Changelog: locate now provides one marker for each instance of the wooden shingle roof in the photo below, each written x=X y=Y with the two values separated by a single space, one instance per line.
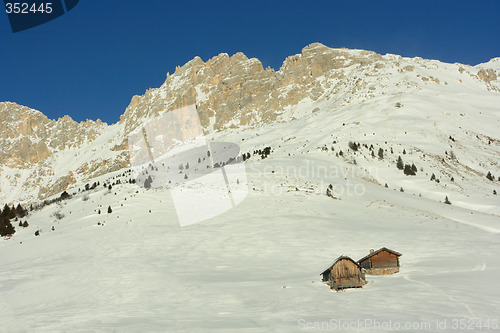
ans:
x=379 y=250
x=337 y=260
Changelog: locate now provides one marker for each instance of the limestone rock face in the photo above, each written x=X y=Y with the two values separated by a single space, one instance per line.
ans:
x=30 y=143
x=58 y=186
x=487 y=75
x=40 y=157
x=234 y=91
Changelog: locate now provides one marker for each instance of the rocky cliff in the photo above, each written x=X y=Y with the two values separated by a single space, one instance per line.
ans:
x=40 y=157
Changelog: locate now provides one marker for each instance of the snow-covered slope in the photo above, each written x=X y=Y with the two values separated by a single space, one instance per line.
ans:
x=253 y=269
x=256 y=267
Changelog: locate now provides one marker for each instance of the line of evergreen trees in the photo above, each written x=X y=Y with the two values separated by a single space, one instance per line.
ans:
x=7 y=214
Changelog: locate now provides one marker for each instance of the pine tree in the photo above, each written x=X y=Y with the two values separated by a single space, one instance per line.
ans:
x=148 y=182
x=400 y=164
x=20 y=211
x=65 y=195
x=109 y=210
x=408 y=170
x=6 y=228
x=12 y=212
x=433 y=177
x=380 y=153
x=446 y=201
x=490 y=176
x=5 y=211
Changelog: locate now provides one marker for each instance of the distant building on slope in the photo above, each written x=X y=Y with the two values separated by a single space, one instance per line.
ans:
x=344 y=273
x=381 y=262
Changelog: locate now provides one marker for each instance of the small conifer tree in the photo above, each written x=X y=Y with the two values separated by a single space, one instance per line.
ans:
x=408 y=170
x=400 y=164
x=490 y=176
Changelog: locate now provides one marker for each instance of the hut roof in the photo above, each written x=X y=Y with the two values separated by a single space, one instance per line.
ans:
x=337 y=260
x=379 y=250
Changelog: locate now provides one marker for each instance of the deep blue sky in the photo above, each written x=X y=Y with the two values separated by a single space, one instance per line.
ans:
x=91 y=61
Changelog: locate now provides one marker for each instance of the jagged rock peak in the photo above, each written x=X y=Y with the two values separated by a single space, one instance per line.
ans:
x=230 y=92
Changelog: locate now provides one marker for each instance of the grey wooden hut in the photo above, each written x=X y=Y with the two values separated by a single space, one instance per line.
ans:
x=344 y=273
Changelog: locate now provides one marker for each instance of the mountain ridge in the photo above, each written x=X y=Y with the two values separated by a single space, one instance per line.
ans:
x=231 y=92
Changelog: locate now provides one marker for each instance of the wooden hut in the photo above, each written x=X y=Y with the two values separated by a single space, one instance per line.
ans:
x=344 y=273
x=381 y=262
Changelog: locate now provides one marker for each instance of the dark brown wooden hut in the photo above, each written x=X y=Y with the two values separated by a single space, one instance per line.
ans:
x=344 y=273
x=381 y=262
